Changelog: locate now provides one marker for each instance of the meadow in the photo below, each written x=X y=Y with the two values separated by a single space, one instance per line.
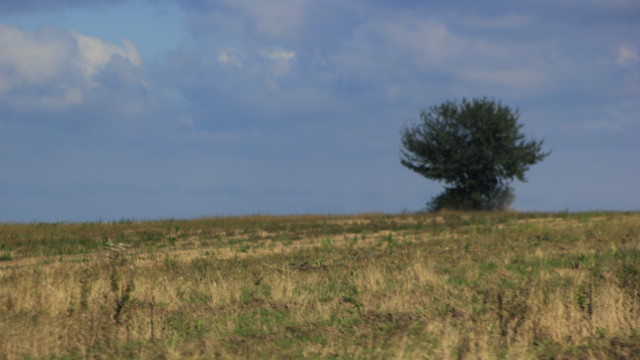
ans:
x=450 y=285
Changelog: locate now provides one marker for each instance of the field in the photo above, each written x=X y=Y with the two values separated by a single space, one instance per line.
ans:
x=411 y=286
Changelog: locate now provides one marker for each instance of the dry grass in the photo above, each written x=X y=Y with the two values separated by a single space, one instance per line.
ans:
x=413 y=286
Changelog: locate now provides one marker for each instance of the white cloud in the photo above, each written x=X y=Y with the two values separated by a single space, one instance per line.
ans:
x=281 y=60
x=54 y=69
x=29 y=58
x=405 y=57
x=230 y=57
x=93 y=53
x=279 y=55
x=416 y=51
x=627 y=55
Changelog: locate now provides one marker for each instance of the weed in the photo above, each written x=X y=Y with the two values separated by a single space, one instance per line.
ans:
x=6 y=256
x=584 y=299
x=629 y=279
x=356 y=304
x=327 y=244
x=445 y=285
x=123 y=299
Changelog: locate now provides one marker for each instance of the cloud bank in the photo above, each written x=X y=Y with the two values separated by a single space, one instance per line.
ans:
x=292 y=106
x=56 y=71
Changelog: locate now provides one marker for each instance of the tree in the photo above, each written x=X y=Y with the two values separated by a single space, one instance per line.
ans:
x=475 y=147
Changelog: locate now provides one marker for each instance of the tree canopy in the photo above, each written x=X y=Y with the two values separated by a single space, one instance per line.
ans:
x=475 y=147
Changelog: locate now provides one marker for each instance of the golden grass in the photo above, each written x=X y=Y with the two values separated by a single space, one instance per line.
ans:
x=443 y=286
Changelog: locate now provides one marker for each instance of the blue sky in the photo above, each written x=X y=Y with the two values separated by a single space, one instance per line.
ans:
x=156 y=108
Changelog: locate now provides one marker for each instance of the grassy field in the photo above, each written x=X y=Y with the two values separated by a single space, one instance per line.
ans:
x=411 y=286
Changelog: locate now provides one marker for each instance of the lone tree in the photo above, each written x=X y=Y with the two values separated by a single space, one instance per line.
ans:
x=475 y=147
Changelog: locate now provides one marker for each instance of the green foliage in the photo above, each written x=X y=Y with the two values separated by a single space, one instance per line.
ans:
x=474 y=147
x=460 y=199
x=6 y=256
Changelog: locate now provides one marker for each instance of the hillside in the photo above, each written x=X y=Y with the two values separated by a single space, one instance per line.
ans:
x=372 y=286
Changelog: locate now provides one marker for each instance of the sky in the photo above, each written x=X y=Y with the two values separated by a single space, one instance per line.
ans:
x=148 y=109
